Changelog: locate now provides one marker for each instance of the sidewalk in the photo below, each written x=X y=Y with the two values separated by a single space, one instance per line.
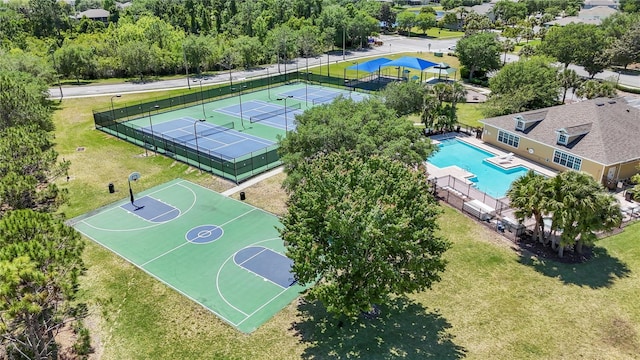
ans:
x=253 y=181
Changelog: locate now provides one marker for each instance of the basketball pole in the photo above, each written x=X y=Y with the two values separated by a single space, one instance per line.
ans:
x=131 y=193
x=133 y=176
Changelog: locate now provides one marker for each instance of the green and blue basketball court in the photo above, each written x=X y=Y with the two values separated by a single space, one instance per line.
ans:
x=221 y=253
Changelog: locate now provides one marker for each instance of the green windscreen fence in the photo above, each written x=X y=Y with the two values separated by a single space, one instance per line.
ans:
x=116 y=121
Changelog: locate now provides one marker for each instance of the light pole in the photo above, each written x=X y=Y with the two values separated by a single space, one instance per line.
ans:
x=53 y=57
x=357 y=70
x=186 y=66
x=328 y=62
x=202 y=99
x=151 y=127
x=286 y=122
x=344 y=31
x=240 y=100
x=195 y=133
x=113 y=117
x=268 y=84
x=306 y=87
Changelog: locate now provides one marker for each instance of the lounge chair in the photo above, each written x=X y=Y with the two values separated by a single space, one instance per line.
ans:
x=506 y=156
x=505 y=160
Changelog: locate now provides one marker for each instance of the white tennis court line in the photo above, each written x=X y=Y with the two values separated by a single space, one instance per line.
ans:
x=229 y=144
x=227 y=112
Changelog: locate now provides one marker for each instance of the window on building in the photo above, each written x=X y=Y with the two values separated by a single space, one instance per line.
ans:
x=567 y=160
x=563 y=139
x=520 y=125
x=509 y=139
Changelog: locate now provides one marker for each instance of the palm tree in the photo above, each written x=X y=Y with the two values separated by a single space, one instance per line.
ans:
x=592 y=89
x=581 y=207
x=569 y=79
x=507 y=46
x=529 y=196
x=444 y=115
x=607 y=215
x=429 y=113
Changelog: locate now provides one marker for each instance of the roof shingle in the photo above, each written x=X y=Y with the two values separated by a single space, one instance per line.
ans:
x=612 y=137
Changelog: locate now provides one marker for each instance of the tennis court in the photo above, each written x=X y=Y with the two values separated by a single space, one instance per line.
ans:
x=234 y=136
x=201 y=135
x=321 y=95
x=221 y=253
x=270 y=114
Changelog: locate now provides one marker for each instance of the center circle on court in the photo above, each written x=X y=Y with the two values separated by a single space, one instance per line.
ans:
x=204 y=234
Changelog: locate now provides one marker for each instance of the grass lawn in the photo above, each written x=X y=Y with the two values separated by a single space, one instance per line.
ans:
x=470 y=114
x=491 y=303
x=518 y=47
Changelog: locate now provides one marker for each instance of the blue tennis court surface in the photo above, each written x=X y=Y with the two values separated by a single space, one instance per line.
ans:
x=267 y=263
x=219 y=140
x=322 y=95
x=152 y=210
x=271 y=114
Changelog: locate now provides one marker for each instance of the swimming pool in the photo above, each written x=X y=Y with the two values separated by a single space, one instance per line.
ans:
x=489 y=178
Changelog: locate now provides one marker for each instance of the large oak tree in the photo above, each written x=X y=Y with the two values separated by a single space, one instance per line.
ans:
x=479 y=52
x=367 y=128
x=362 y=229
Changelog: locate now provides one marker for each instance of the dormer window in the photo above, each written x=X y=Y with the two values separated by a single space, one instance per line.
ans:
x=563 y=139
x=526 y=121
x=568 y=135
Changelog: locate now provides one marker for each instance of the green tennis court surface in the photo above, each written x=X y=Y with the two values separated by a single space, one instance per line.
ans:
x=221 y=253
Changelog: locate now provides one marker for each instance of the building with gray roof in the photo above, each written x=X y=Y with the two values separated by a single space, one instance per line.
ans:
x=599 y=137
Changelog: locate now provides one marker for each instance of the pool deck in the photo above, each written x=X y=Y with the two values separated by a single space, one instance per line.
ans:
x=630 y=209
x=502 y=159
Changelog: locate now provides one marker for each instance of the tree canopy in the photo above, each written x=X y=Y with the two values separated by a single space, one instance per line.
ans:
x=362 y=229
x=527 y=84
x=479 y=52
x=367 y=128
x=40 y=262
x=581 y=44
x=404 y=97
x=39 y=255
x=23 y=101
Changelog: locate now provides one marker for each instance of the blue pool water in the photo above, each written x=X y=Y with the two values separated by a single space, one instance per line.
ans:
x=489 y=178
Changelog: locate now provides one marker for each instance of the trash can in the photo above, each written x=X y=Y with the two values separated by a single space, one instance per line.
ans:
x=628 y=195
x=242 y=196
x=112 y=188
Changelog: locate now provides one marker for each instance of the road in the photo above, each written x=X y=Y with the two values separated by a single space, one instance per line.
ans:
x=391 y=44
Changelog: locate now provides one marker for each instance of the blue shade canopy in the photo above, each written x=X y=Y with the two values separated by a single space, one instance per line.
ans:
x=411 y=62
x=369 y=66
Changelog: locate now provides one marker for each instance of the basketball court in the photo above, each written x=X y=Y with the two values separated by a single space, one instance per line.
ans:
x=221 y=253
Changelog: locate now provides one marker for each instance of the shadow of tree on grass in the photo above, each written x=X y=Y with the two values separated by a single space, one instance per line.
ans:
x=404 y=330
x=601 y=270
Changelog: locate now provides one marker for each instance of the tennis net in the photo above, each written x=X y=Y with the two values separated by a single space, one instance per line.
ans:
x=274 y=113
x=325 y=99
x=211 y=129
